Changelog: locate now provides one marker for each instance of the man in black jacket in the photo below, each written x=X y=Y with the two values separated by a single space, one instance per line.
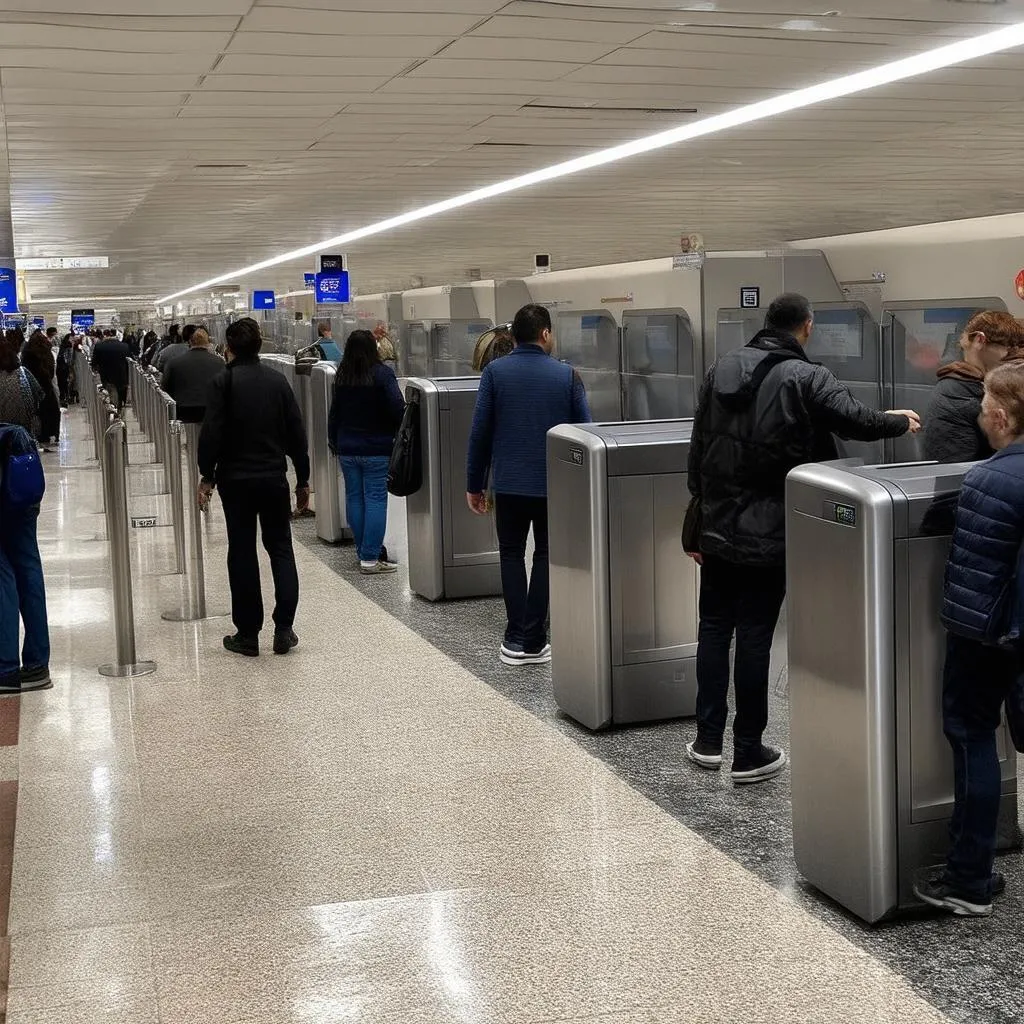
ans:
x=763 y=410
x=110 y=361
x=252 y=425
x=187 y=380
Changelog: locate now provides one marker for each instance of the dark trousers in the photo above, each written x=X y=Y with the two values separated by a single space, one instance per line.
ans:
x=975 y=682
x=269 y=503
x=526 y=604
x=744 y=601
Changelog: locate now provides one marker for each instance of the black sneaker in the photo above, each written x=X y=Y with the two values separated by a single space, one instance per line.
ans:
x=760 y=767
x=238 y=644
x=35 y=678
x=704 y=754
x=10 y=682
x=937 y=893
x=284 y=641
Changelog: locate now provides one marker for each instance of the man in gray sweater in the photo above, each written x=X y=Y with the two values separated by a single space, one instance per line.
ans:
x=187 y=378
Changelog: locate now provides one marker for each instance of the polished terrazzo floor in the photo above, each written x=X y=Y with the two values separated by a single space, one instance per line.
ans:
x=385 y=826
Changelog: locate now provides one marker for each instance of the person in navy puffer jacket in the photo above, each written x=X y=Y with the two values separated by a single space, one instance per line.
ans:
x=981 y=611
x=522 y=396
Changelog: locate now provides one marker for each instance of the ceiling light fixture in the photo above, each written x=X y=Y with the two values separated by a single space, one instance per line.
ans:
x=47 y=301
x=897 y=71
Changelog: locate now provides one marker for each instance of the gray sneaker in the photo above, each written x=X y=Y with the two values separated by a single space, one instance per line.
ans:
x=377 y=569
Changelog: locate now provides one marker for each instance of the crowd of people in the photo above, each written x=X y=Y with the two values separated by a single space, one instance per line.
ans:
x=763 y=410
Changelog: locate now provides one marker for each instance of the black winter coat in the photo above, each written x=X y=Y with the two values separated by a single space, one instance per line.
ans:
x=952 y=433
x=253 y=425
x=982 y=599
x=764 y=410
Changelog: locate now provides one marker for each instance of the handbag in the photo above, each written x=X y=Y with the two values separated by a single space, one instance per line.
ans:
x=405 y=470
x=693 y=526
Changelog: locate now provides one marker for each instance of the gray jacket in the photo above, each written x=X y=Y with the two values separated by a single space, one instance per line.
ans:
x=187 y=380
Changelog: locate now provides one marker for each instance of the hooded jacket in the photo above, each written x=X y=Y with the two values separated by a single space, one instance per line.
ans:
x=763 y=410
x=952 y=433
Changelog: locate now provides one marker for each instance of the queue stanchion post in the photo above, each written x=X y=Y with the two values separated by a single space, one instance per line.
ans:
x=115 y=490
x=177 y=496
x=196 y=606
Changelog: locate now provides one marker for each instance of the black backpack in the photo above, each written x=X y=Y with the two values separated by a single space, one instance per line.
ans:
x=405 y=471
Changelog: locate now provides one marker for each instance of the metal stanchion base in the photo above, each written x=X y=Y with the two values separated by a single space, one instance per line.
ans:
x=141 y=668
x=187 y=615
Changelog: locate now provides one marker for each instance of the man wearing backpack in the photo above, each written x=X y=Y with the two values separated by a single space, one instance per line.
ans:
x=763 y=410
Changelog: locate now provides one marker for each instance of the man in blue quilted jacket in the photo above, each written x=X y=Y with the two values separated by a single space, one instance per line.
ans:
x=981 y=612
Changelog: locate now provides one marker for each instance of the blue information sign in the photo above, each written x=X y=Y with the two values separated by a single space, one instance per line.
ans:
x=332 y=287
x=82 y=319
x=39 y=322
x=309 y=281
x=8 y=290
x=263 y=300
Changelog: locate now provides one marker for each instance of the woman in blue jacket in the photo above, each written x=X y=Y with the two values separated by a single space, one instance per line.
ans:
x=366 y=413
x=981 y=611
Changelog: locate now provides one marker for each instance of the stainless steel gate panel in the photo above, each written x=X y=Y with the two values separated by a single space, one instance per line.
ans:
x=452 y=552
x=331 y=521
x=623 y=594
x=872 y=772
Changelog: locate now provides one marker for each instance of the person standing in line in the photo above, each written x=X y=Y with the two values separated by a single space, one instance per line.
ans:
x=252 y=426
x=110 y=361
x=983 y=612
x=22 y=589
x=763 y=410
x=65 y=368
x=365 y=415
x=326 y=346
x=953 y=432
x=521 y=397
x=176 y=348
x=187 y=380
x=38 y=360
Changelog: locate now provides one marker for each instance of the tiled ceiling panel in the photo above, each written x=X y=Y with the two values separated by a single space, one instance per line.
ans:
x=185 y=140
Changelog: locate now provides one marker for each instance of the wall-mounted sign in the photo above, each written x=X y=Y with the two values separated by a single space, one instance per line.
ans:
x=8 y=291
x=332 y=287
x=143 y=522
x=64 y=263
x=309 y=281
x=38 y=321
x=263 y=300
x=83 y=319
x=336 y=262
x=750 y=298
x=688 y=261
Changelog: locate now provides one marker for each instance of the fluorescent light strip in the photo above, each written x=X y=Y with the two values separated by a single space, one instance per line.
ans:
x=90 y=298
x=909 y=67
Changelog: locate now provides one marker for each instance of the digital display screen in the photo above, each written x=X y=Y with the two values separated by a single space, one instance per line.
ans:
x=845 y=515
x=838 y=336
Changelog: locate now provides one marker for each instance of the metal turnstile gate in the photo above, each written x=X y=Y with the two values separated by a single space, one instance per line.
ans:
x=872 y=772
x=623 y=593
x=452 y=552
x=331 y=521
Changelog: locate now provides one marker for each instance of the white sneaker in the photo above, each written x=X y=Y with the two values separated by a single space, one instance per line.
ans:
x=377 y=568
x=515 y=655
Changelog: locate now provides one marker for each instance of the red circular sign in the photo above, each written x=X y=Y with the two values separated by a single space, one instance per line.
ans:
x=1020 y=285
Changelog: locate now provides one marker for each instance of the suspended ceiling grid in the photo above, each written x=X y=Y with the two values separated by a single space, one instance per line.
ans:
x=184 y=145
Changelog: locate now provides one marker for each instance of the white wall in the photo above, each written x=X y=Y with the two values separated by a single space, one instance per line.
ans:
x=652 y=284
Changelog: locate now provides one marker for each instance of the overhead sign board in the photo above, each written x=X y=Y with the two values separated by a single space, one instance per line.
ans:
x=263 y=300
x=38 y=321
x=64 y=263
x=309 y=281
x=336 y=262
x=332 y=287
x=8 y=291
x=83 y=319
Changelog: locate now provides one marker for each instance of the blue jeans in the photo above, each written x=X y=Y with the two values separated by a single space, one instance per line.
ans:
x=975 y=682
x=22 y=592
x=366 y=501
